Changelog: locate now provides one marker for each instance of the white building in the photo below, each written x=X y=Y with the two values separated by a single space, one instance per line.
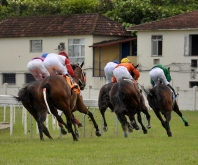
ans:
x=172 y=42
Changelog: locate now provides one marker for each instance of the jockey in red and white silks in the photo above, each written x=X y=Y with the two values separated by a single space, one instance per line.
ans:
x=55 y=63
x=37 y=69
x=108 y=70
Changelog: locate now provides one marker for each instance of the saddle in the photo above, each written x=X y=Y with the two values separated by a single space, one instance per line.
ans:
x=73 y=86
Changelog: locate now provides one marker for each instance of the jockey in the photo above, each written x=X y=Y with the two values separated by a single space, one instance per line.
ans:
x=108 y=70
x=59 y=64
x=160 y=74
x=36 y=67
x=124 y=70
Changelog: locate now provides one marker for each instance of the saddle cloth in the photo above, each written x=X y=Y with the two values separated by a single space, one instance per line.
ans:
x=71 y=84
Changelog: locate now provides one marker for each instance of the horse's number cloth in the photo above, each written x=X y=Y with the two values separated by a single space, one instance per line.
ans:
x=71 y=84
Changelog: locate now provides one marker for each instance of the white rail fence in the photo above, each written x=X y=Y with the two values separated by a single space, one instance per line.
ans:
x=7 y=101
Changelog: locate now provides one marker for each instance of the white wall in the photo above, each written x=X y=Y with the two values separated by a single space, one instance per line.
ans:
x=173 y=56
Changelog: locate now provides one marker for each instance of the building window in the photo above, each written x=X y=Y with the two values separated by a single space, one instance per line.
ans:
x=193 y=83
x=156 y=61
x=194 y=63
x=35 y=45
x=29 y=78
x=191 y=45
x=156 y=45
x=9 y=78
x=76 y=50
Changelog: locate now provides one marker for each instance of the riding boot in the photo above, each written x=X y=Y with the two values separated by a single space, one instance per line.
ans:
x=172 y=90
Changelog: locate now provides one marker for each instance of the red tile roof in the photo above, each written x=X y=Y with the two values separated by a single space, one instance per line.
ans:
x=181 y=21
x=59 y=25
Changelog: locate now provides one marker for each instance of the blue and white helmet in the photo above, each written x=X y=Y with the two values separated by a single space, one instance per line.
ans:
x=44 y=55
x=115 y=61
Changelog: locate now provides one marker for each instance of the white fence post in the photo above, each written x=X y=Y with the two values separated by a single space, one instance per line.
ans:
x=194 y=97
x=11 y=119
x=5 y=88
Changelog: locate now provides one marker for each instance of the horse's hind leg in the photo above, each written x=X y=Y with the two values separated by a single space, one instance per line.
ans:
x=94 y=123
x=140 y=121
x=176 y=109
x=168 y=118
x=123 y=121
x=42 y=128
x=148 y=117
x=45 y=131
x=63 y=131
x=133 y=121
x=102 y=111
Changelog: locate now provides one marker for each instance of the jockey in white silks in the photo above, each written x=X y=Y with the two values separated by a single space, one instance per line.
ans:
x=37 y=69
x=108 y=70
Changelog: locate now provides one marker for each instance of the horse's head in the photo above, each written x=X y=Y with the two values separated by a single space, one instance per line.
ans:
x=79 y=75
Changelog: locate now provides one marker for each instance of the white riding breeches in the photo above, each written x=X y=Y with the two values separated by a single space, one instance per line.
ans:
x=108 y=70
x=55 y=64
x=157 y=75
x=37 y=69
x=121 y=72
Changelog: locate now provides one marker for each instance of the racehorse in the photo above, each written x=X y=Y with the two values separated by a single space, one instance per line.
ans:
x=126 y=100
x=104 y=103
x=29 y=98
x=57 y=94
x=161 y=100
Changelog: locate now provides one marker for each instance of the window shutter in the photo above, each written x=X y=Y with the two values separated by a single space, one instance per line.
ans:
x=186 y=45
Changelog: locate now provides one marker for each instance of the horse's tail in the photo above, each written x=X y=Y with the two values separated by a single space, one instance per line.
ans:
x=118 y=100
x=24 y=94
x=154 y=96
x=46 y=91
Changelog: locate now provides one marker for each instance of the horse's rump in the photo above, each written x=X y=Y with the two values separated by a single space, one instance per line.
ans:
x=124 y=95
x=160 y=97
x=103 y=98
x=58 y=91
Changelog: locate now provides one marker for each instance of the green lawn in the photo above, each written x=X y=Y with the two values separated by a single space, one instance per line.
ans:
x=109 y=149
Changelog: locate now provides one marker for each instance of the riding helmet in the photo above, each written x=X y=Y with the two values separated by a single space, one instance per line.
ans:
x=115 y=61
x=125 y=60
x=44 y=55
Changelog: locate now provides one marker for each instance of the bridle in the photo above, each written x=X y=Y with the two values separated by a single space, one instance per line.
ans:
x=80 y=77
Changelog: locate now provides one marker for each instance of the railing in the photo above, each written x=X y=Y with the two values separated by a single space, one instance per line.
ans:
x=9 y=101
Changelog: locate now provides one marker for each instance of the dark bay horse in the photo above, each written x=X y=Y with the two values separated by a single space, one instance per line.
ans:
x=104 y=102
x=125 y=98
x=57 y=94
x=29 y=98
x=160 y=99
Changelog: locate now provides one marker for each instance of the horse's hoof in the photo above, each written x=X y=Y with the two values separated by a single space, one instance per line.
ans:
x=63 y=132
x=76 y=139
x=98 y=133
x=125 y=135
x=80 y=125
x=105 y=129
x=77 y=135
x=135 y=126
x=130 y=129
x=148 y=126
x=186 y=124
x=145 y=131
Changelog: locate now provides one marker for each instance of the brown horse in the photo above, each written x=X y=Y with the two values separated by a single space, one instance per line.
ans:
x=126 y=100
x=104 y=103
x=161 y=100
x=29 y=98
x=57 y=94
